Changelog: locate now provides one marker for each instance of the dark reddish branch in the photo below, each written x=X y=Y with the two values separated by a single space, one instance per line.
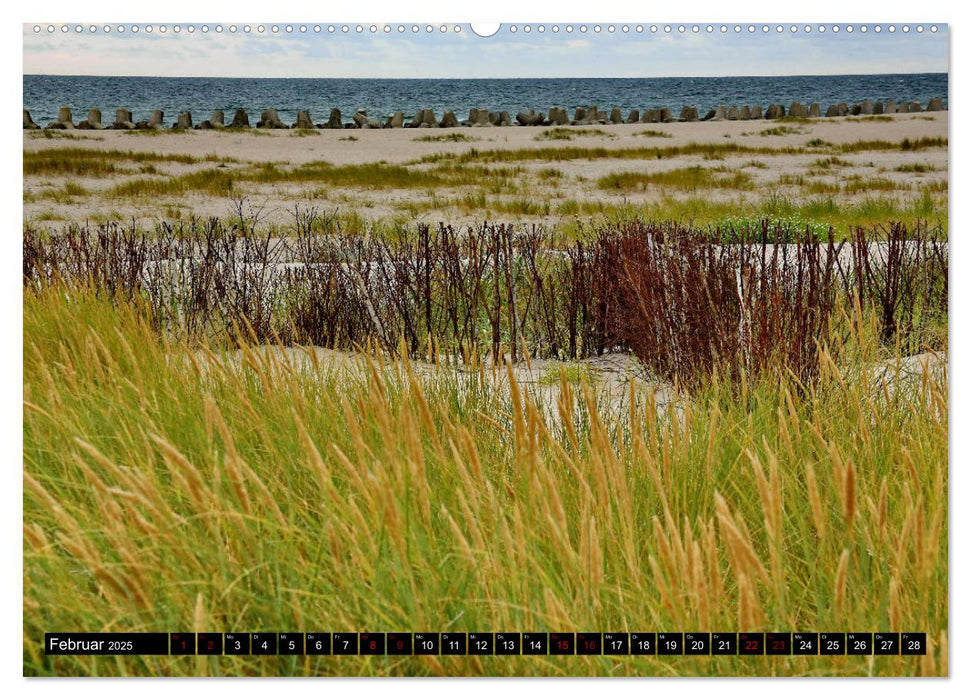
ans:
x=684 y=300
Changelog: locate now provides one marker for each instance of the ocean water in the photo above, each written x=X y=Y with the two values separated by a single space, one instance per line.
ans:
x=44 y=94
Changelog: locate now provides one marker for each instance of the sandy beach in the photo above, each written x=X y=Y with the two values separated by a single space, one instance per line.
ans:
x=515 y=174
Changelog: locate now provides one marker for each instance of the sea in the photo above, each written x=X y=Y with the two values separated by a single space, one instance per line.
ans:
x=44 y=94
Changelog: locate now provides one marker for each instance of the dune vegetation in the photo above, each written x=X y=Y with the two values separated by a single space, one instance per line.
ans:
x=778 y=462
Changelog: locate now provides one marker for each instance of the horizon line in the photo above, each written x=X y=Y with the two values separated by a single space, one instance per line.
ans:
x=566 y=77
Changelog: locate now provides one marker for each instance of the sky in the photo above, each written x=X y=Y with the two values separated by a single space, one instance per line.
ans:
x=462 y=54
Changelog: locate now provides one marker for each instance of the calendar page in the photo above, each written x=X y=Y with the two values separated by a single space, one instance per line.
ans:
x=514 y=349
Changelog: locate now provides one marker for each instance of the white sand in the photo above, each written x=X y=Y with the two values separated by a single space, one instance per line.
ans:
x=402 y=146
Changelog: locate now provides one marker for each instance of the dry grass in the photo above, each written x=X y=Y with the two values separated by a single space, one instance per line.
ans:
x=690 y=179
x=562 y=133
x=783 y=131
x=191 y=489
x=710 y=151
x=446 y=138
x=91 y=162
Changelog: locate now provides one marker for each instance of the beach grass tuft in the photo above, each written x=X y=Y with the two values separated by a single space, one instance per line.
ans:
x=563 y=133
x=251 y=488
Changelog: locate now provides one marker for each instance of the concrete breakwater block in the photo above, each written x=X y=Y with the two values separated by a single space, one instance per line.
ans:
x=449 y=120
x=93 y=121
x=269 y=119
x=240 y=120
x=63 y=121
x=688 y=114
x=363 y=121
x=559 y=116
x=482 y=117
x=216 y=121
x=304 y=121
x=479 y=116
x=530 y=118
x=123 y=120
x=585 y=116
x=333 y=121
x=154 y=121
x=799 y=110
x=423 y=119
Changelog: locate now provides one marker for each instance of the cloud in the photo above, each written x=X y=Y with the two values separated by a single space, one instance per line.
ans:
x=458 y=55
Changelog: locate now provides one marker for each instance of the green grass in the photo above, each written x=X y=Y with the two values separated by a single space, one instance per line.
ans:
x=709 y=151
x=167 y=488
x=163 y=131
x=831 y=162
x=782 y=131
x=51 y=134
x=446 y=138
x=852 y=185
x=550 y=174
x=920 y=144
x=99 y=163
x=563 y=133
x=48 y=216
x=857 y=184
x=687 y=179
x=366 y=175
x=65 y=194
x=653 y=133
x=212 y=181
x=818 y=212
x=872 y=118
x=916 y=168
x=223 y=182
x=577 y=373
x=713 y=151
x=521 y=206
